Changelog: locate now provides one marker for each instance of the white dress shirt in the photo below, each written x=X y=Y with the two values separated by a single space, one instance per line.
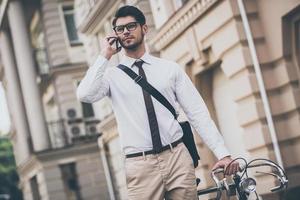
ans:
x=129 y=106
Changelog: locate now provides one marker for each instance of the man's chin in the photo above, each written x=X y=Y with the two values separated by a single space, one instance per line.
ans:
x=133 y=45
x=130 y=47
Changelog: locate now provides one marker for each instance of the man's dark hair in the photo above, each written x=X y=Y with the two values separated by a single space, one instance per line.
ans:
x=132 y=11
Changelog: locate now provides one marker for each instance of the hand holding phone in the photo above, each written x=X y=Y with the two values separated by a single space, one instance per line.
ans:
x=115 y=40
x=110 y=46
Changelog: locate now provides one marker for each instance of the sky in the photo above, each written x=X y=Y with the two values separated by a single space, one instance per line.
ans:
x=4 y=116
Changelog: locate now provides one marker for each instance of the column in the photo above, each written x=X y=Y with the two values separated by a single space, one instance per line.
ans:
x=27 y=75
x=15 y=98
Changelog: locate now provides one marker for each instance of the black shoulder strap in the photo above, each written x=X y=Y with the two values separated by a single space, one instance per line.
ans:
x=148 y=88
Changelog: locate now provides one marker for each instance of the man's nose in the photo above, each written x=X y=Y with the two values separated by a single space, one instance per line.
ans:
x=126 y=31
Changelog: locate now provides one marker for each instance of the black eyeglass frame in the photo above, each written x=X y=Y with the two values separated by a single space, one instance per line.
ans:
x=126 y=26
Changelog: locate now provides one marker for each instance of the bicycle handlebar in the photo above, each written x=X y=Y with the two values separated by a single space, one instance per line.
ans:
x=280 y=176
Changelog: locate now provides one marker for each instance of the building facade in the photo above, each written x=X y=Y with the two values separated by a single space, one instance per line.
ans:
x=215 y=52
x=53 y=134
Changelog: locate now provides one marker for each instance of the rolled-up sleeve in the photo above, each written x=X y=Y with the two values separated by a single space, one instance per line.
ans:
x=197 y=113
x=95 y=85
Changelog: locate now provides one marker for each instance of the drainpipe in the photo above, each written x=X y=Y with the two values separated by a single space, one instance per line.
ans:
x=106 y=169
x=259 y=78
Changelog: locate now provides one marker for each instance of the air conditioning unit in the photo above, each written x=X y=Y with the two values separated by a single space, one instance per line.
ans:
x=75 y=125
x=91 y=129
x=71 y=113
x=91 y=126
x=75 y=130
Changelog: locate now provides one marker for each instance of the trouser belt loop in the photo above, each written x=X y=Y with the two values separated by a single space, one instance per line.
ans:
x=144 y=155
x=171 y=147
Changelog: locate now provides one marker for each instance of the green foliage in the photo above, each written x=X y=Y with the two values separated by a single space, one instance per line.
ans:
x=8 y=174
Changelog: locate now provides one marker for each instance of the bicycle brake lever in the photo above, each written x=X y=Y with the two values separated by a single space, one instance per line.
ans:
x=269 y=173
x=282 y=180
x=219 y=183
x=215 y=178
x=283 y=185
x=219 y=192
x=277 y=188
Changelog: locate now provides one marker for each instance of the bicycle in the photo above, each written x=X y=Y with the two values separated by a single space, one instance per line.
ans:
x=241 y=184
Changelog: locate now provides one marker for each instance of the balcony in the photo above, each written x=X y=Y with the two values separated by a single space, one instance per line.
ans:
x=67 y=133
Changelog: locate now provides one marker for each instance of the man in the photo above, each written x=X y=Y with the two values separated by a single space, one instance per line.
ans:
x=143 y=122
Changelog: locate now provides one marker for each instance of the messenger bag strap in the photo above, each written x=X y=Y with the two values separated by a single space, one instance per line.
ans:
x=149 y=88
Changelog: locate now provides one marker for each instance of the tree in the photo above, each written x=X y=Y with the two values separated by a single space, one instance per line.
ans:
x=9 y=178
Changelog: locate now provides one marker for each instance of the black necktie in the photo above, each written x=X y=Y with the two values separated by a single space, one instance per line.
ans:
x=156 y=141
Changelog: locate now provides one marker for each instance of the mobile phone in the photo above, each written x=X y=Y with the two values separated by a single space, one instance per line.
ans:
x=116 y=42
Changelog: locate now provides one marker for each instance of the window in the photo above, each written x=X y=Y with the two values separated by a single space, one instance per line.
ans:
x=291 y=38
x=179 y=3
x=70 y=181
x=87 y=110
x=68 y=12
x=35 y=188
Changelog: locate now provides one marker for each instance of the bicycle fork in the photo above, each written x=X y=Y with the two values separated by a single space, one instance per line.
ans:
x=241 y=194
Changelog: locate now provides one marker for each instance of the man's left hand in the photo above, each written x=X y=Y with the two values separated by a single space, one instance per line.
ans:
x=224 y=162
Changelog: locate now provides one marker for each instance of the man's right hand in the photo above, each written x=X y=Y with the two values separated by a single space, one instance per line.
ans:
x=108 y=49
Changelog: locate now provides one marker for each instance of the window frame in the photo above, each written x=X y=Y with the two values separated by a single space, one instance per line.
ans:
x=289 y=49
x=296 y=42
x=35 y=189
x=70 y=167
x=64 y=24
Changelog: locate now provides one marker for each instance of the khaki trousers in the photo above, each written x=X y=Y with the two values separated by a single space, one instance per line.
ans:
x=167 y=175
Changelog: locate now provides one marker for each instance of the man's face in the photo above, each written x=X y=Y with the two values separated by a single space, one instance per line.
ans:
x=132 y=38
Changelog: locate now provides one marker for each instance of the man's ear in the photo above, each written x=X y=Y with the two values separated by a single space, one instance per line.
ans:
x=145 y=29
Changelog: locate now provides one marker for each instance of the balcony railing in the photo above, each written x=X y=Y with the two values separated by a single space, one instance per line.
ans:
x=65 y=133
x=180 y=21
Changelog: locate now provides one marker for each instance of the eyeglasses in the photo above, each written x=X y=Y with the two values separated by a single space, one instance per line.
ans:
x=130 y=27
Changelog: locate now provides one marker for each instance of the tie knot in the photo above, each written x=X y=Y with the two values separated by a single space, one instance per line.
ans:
x=138 y=63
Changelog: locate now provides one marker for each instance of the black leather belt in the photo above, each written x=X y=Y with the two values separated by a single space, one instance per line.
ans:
x=164 y=148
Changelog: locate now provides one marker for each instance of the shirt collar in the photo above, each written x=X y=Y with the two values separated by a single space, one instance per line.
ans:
x=128 y=61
